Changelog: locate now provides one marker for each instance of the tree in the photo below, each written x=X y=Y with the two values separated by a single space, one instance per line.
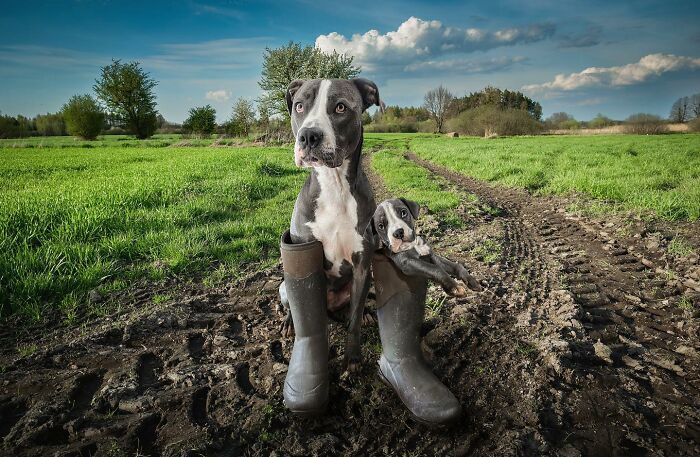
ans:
x=645 y=124
x=437 y=101
x=83 y=117
x=127 y=92
x=201 y=121
x=600 y=121
x=50 y=124
x=243 y=115
x=283 y=65
x=680 y=109
x=559 y=120
x=695 y=106
x=493 y=96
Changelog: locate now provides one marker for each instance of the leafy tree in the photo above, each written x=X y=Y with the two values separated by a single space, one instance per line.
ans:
x=283 y=65
x=600 y=121
x=83 y=117
x=14 y=127
x=50 y=124
x=437 y=101
x=201 y=120
x=680 y=110
x=127 y=92
x=493 y=96
x=243 y=115
x=559 y=120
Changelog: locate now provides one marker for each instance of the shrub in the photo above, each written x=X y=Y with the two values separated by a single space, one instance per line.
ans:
x=83 y=117
x=201 y=121
x=645 y=124
x=694 y=125
x=13 y=127
x=571 y=124
x=490 y=121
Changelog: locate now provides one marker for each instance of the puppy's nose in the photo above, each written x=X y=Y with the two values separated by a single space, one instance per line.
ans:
x=398 y=233
x=310 y=137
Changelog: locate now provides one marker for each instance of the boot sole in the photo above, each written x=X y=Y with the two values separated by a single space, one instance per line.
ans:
x=310 y=413
x=413 y=416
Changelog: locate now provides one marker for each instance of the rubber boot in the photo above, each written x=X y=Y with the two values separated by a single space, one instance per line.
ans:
x=306 y=384
x=401 y=308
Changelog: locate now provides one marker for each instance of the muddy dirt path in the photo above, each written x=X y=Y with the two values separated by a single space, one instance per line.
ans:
x=576 y=347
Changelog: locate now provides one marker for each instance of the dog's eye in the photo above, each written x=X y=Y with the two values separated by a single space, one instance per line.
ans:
x=403 y=213
x=340 y=108
x=380 y=226
x=299 y=107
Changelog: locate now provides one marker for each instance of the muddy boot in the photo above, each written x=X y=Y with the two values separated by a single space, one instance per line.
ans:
x=306 y=385
x=401 y=306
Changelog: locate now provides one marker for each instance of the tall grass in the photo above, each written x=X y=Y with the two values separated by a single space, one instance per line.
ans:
x=75 y=219
x=661 y=174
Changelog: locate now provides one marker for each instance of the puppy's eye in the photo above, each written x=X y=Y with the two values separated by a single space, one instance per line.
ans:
x=404 y=213
x=380 y=226
x=340 y=108
x=299 y=108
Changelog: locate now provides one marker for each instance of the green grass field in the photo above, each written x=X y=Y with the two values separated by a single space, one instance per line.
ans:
x=77 y=218
x=657 y=173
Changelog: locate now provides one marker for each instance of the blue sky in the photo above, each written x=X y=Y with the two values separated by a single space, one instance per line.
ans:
x=611 y=57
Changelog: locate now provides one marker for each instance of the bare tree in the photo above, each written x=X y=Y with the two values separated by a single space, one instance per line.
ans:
x=679 y=110
x=437 y=101
x=695 y=105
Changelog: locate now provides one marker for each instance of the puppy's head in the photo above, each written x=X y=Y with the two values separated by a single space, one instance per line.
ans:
x=326 y=117
x=393 y=223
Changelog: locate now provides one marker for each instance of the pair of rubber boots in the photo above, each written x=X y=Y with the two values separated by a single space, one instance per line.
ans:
x=400 y=312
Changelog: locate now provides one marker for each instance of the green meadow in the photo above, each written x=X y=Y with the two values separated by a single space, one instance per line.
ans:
x=77 y=217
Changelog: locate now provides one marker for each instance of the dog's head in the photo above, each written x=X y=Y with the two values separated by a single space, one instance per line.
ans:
x=393 y=223
x=327 y=118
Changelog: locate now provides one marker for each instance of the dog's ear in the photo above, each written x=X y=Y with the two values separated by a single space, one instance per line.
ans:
x=369 y=92
x=291 y=90
x=413 y=207
x=376 y=239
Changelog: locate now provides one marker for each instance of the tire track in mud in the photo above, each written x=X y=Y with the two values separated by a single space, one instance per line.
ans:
x=623 y=377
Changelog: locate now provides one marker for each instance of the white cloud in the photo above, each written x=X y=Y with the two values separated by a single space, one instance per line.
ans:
x=634 y=73
x=220 y=95
x=465 y=65
x=417 y=39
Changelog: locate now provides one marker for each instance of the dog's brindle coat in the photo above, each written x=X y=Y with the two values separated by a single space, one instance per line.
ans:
x=336 y=202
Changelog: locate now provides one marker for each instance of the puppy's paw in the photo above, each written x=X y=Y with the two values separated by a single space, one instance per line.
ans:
x=471 y=282
x=458 y=291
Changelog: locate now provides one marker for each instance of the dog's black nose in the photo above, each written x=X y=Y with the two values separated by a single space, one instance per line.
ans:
x=310 y=137
x=398 y=234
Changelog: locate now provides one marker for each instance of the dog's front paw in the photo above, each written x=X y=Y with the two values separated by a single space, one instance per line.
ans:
x=368 y=318
x=352 y=359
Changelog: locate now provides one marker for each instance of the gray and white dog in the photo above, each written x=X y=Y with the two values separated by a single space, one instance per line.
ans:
x=336 y=203
x=393 y=225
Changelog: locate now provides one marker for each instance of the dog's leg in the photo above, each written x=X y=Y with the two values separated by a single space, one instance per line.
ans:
x=458 y=270
x=360 y=287
x=432 y=271
x=287 y=327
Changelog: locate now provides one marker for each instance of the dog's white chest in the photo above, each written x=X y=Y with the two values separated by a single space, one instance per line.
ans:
x=336 y=218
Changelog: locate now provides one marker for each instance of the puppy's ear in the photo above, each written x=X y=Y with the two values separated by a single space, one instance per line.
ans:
x=413 y=207
x=369 y=92
x=291 y=90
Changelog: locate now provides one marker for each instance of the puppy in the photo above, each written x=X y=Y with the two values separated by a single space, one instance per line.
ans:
x=394 y=232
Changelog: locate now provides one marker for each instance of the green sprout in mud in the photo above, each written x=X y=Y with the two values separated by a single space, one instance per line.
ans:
x=434 y=306
x=526 y=349
x=488 y=251
x=27 y=350
x=157 y=299
x=685 y=304
x=679 y=247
